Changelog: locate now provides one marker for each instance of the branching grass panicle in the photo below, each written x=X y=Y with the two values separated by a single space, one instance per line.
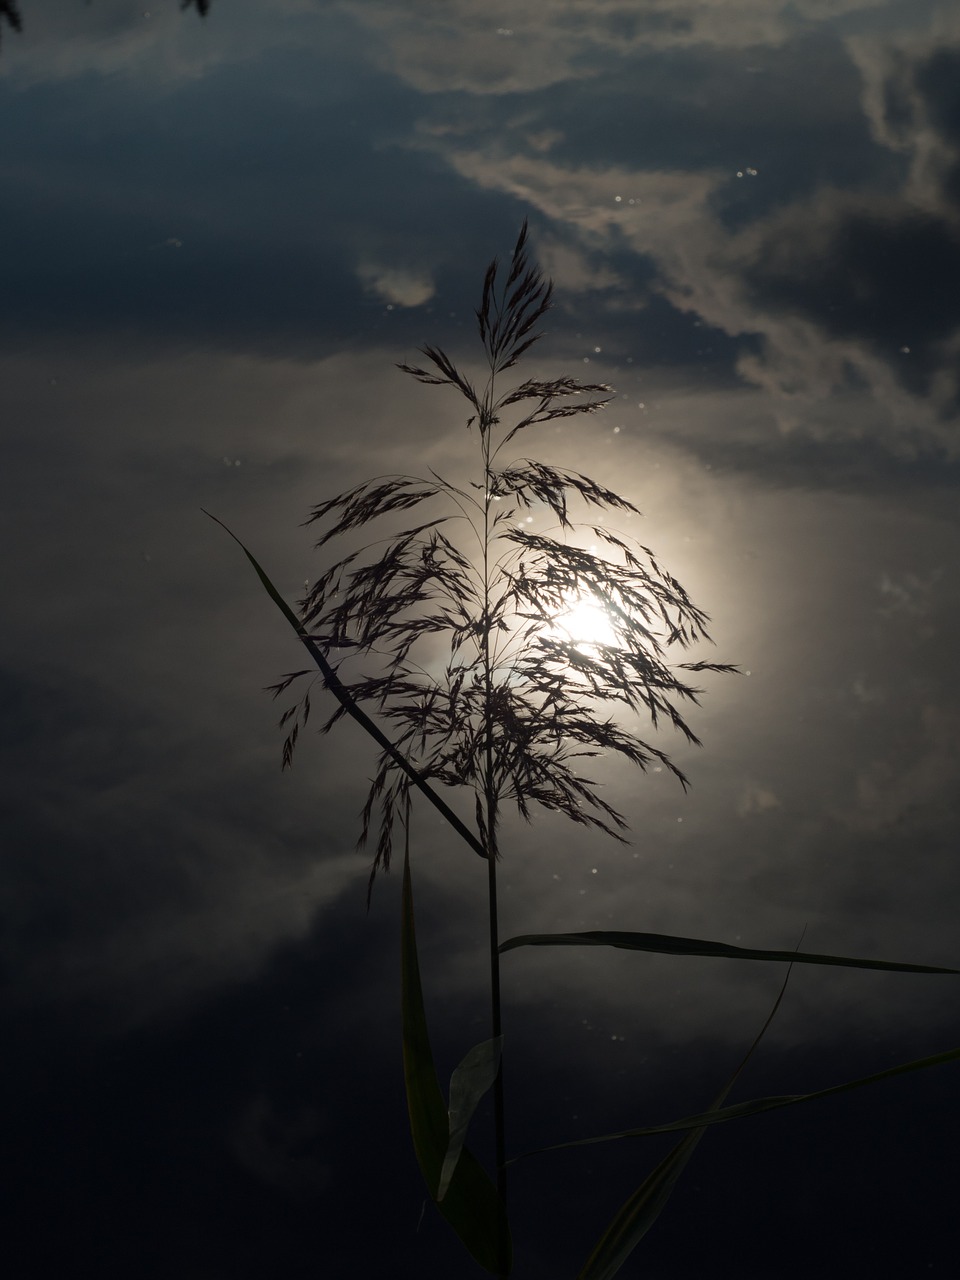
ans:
x=515 y=705
x=457 y=632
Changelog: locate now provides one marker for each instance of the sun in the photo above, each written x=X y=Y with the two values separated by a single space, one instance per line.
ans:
x=584 y=623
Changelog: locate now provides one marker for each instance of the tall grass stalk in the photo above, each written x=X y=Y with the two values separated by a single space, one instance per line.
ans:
x=454 y=643
x=518 y=700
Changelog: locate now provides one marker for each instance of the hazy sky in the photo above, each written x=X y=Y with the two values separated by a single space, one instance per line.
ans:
x=221 y=234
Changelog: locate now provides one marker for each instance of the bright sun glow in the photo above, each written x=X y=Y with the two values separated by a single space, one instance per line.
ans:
x=584 y=623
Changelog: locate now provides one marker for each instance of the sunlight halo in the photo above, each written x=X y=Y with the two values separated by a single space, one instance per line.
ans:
x=583 y=623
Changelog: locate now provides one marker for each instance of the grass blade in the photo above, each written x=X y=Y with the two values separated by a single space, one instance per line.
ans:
x=740 y=1110
x=471 y=1204
x=470 y=1081
x=669 y=945
x=349 y=704
x=638 y=1214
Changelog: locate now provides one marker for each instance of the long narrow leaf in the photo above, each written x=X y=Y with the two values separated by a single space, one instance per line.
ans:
x=471 y=1205
x=742 y=1109
x=470 y=1081
x=638 y=1214
x=349 y=704
x=669 y=945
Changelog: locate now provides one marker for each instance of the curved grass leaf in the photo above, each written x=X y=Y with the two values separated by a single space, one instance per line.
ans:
x=757 y=1105
x=669 y=945
x=335 y=685
x=470 y=1081
x=471 y=1204
x=638 y=1214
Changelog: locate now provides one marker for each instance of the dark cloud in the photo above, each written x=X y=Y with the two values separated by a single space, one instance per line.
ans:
x=10 y=14
x=695 y=109
x=845 y=466
x=884 y=277
x=185 y=231
x=937 y=76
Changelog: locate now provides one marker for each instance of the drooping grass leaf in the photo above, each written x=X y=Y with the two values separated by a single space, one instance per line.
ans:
x=638 y=1214
x=349 y=704
x=669 y=945
x=469 y=1082
x=757 y=1105
x=471 y=1204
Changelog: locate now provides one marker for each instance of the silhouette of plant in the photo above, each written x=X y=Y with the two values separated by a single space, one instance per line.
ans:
x=460 y=633
x=462 y=613
x=518 y=699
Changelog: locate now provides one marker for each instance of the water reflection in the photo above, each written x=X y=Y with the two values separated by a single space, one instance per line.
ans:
x=226 y=233
x=760 y=280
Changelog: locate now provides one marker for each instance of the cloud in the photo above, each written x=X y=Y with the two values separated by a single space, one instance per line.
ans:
x=397 y=285
x=801 y=285
x=756 y=799
x=153 y=44
x=500 y=49
x=775 y=281
x=141 y=756
x=908 y=593
x=62 y=40
x=158 y=852
x=278 y=1145
x=914 y=784
x=184 y=860
x=908 y=96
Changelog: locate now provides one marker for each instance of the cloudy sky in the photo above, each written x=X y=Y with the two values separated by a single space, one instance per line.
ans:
x=221 y=234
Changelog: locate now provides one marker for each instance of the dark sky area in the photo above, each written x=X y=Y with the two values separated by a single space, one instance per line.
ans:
x=221 y=232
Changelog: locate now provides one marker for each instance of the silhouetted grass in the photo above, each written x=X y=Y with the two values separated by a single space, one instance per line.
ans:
x=444 y=639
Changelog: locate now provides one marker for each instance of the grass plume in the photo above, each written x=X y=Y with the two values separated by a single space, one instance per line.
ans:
x=516 y=706
x=445 y=640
